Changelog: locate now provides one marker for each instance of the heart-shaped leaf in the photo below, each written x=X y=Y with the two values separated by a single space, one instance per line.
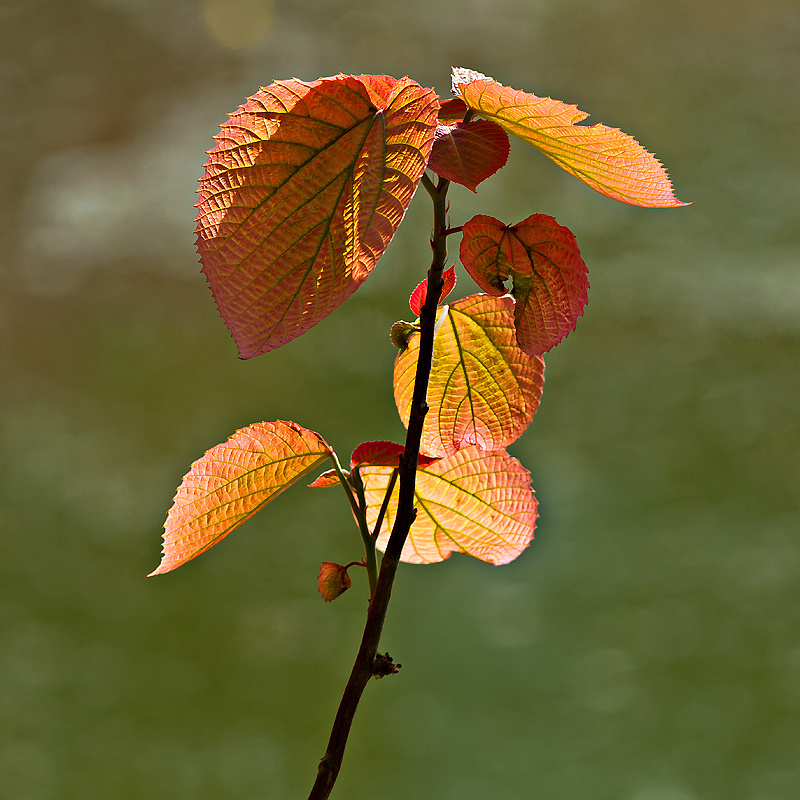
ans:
x=469 y=153
x=474 y=502
x=233 y=481
x=604 y=158
x=483 y=389
x=302 y=194
x=549 y=276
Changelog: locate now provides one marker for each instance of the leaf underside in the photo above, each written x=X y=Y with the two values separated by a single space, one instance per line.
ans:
x=608 y=160
x=483 y=389
x=301 y=195
x=233 y=481
x=474 y=502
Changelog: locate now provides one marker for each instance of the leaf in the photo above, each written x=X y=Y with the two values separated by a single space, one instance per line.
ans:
x=301 y=195
x=325 y=479
x=549 y=276
x=483 y=389
x=385 y=454
x=419 y=294
x=469 y=153
x=452 y=111
x=381 y=454
x=333 y=581
x=609 y=161
x=233 y=481
x=474 y=502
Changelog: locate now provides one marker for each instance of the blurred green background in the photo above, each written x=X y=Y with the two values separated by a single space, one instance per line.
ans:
x=645 y=647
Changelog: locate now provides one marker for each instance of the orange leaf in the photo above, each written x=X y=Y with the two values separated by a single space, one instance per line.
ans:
x=328 y=478
x=302 y=194
x=469 y=153
x=483 y=390
x=604 y=158
x=549 y=276
x=333 y=580
x=233 y=481
x=474 y=502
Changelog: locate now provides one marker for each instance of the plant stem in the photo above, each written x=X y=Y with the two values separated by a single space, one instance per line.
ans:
x=363 y=668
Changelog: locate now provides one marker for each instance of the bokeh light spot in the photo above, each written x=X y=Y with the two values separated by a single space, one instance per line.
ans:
x=237 y=23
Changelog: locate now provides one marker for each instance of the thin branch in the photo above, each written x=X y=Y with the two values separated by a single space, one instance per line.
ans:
x=365 y=664
x=359 y=512
x=384 y=505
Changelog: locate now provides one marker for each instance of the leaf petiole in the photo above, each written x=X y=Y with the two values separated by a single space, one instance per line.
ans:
x=359 y=512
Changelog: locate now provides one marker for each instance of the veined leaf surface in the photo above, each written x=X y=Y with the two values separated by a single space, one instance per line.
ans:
x=608 y=160
x=301 y=195
x=469 y=153
x=549 y=276
x=474 y=502
x=233 y=481
x=483 y=389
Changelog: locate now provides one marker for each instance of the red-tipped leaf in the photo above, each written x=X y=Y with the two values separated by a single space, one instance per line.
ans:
x=542 y=258
x=302 y=194
x=233 y=481
x=474 y=502
x=483 y=389
x=608 y=160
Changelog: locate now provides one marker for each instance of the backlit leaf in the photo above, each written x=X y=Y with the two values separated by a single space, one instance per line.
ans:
x=302 y=194
x=483 y=390
x=468 y=153
x=549 y=276
x=604 y=158
x=419 y=294
x=328 y=478
x=233 y=481
x=381 y=454
x=452 y=111
x=474 y=502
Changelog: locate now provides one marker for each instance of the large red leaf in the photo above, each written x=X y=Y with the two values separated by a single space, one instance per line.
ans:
x=468 y=153
x=549 y=276
x=483 y=390
x=233 y=481
x=604 y=158
x=302 y=194
x=474 y=502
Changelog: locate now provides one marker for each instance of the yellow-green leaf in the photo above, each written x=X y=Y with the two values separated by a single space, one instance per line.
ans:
x=483 y=390
x=474 y=502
